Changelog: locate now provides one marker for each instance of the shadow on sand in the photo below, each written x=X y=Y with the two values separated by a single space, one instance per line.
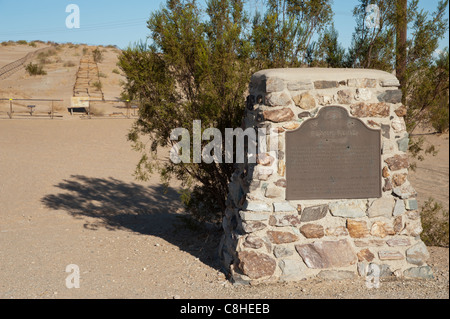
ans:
x=148 y=210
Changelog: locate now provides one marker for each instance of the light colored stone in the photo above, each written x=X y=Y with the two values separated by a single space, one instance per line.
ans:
x=291 y=126
x=381 y=207
x=300 y=85
x=390 y=255
x=292 y=270
x=369 y=243
x=349 y=209
x=344 y=96
x=405 y=191
x=424 y=272
x=280 y=237
x=381 y=229
x=399 y=207
x=283 y=207
x=273 y=192
x=417 y=254
x=254 y=215
x=390 y=82
x=398 y=125
x=400 y=241
x=281 y=168
x=362 y=83
x=305 y=101
x=388 y=147
x=265 y=159
x=327 y=254
x=278 y=99
x=275 y=84
x=336 y=231
x=412 y=228
x=282 y=251
x=363 y=94
x=280 y=115
x=256 y=265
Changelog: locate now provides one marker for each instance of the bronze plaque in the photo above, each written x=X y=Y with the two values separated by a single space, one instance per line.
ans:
x=333 y=156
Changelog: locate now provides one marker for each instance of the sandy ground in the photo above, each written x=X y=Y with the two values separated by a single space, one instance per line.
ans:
x=67 y=196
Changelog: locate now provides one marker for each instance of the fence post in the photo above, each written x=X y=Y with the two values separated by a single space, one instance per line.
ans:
x=10 y=108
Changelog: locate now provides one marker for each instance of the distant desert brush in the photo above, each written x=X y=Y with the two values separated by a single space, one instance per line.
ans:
x=35 y=69
x=435 y=224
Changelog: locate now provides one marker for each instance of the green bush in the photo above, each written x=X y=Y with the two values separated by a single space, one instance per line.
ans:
x=98 y=85
x=435 y=224
x=35 y=69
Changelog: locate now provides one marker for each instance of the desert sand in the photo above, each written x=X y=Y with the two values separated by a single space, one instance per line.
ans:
x=68 y=196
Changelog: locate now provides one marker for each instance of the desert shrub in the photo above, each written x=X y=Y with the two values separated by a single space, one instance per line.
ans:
x=35 y=69
x=102 y=75
x=98 y=55
x=116 y=71
x=22 y=42
x=98 y=85
x=32 y=44
x=435 y=224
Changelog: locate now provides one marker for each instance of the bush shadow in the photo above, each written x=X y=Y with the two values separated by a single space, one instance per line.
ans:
x=148 y=210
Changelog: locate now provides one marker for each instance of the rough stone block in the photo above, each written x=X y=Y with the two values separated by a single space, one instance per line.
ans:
x=390 y=255
x=391 y=96
x=424 y=272
x=281 y=237
x=349 y=209
x=381 y=207
x=278 y=99
x=305 y=101
x=256 y=265
x=370 y=109
x=318 y=85
x=274 y=84
x=417 y=254
x=314 y=213
x=312 y=231
x=357 y=229
x=397 y=162
x=327 y=254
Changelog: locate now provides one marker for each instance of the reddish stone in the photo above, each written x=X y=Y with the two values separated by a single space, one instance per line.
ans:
x=370 y=109
x=256 y=265
x=312 y=231
x=397 y=162
x=278 y=237
x=327 y=254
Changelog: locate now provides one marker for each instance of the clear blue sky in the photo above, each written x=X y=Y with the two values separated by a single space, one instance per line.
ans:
x=118 y=22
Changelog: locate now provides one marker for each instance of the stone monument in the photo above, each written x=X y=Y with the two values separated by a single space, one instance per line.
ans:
x=333 y=199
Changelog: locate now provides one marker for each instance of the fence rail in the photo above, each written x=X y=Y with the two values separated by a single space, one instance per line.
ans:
x=13 y=67
x=11 y=111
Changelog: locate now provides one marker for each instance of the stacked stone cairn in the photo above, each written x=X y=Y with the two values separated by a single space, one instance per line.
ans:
x=269 y=239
